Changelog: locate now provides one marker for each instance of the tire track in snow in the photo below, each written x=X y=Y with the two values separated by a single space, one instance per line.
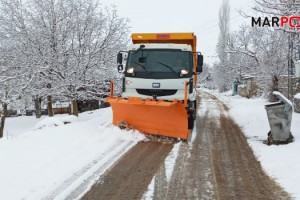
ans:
x=82 y=180
x=131 y=175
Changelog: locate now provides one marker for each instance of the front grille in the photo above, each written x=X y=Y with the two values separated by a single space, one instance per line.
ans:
x=158 y=93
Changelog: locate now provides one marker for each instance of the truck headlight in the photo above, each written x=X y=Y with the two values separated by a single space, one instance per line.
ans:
x=184 y=72
x=130 y=70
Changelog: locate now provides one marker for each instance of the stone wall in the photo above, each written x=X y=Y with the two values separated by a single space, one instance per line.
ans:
x=248 y=87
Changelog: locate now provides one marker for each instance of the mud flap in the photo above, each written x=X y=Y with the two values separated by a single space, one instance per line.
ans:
x=152 y=117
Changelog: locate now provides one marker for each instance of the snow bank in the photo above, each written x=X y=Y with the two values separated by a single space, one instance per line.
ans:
x=55 y=121
x=54 y=159
x=297 y=96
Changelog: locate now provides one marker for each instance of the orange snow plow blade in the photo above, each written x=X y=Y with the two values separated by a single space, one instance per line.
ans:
x=150 y=116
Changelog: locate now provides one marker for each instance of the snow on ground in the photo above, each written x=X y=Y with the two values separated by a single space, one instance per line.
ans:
x=171 y=160
x=281 y=162
x=50 y=158
x=18 y=125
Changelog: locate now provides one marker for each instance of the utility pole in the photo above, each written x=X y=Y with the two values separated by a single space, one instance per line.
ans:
x=289 y=50
x=290 y=63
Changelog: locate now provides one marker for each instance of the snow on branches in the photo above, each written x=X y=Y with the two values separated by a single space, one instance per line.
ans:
x=62 y=48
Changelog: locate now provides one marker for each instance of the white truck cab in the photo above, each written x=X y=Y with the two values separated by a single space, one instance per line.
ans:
x=159 y=71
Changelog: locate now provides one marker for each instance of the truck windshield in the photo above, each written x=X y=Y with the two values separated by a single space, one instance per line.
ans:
x=159 y=64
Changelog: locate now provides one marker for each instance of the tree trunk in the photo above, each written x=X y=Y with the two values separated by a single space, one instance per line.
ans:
x=74 y=108
x=37 y=105
x=49 y=105
x=2 y=119
x=275 y=82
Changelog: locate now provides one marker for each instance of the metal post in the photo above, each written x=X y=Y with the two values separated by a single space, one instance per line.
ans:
x=111 y=88
x=290 y=57
x=185 y=93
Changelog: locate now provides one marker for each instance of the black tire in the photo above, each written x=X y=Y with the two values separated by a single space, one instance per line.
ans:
x=190 y=122
x=195 y=110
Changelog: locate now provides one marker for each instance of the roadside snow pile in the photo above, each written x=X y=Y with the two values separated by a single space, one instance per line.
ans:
x=52 y=162
x=281 y=162
x=132 y=134
x=297 y=96
x=55 y=121
x=15 y=126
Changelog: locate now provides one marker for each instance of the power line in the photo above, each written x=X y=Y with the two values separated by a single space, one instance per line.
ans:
x=235 y=17
x=246 y=4
x=215 y=26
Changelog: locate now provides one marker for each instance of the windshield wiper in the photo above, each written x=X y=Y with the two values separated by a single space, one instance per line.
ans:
x=167 y=66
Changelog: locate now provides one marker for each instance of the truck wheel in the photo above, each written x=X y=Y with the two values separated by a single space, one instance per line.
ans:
x=195 y=110
x=190 y=122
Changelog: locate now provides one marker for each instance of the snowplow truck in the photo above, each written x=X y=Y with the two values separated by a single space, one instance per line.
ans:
x=159 y=84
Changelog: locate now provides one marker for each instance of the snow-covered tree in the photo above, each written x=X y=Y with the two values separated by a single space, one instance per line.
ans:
x=96 y=37
x=261 y=52
x=70 y=45
x=278 y=8
x=222 y=67
x=12 y=74
x=58 y=49
x=285 y=8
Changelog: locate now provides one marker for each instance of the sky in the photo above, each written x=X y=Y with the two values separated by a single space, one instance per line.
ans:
x=200 y=17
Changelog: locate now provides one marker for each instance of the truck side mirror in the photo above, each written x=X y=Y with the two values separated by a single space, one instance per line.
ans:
x=200 y=60
x=120 y=68
x=120 y=58
x=199 y=68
